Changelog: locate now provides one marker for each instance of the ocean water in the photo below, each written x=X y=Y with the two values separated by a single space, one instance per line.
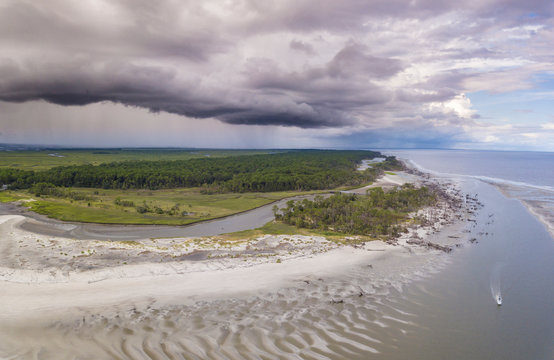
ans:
x=519 y=167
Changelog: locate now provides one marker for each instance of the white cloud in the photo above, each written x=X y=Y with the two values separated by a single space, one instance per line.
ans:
x=459 y=105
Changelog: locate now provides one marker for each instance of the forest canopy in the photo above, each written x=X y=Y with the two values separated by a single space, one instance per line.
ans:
x=294 y=170
x=376 y=214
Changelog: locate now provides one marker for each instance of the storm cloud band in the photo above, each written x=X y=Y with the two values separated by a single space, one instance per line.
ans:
x=307 y=64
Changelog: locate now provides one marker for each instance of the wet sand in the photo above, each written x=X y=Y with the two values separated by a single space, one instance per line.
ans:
x=538 y=202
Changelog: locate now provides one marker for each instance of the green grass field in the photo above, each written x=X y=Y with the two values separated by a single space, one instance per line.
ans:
x=46 y=159
x=101 y=207
x=9 y=196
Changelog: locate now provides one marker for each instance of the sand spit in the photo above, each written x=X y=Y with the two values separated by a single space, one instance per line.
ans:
x=543 y=211
x=48 y=274
x=539 y=202
x=389 y=181
x=366 y=164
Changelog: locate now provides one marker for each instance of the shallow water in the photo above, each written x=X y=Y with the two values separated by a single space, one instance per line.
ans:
x=433 y=306
x=461 y=318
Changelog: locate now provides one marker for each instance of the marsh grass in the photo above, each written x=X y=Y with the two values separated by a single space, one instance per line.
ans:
x=9 y=196
x=101 y=206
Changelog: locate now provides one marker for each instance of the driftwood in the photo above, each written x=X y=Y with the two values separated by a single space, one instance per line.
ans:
x=429 y=244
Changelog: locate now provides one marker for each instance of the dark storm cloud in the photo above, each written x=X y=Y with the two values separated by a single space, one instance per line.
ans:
x=157 y=90
x=309 y=64
x=316 y=117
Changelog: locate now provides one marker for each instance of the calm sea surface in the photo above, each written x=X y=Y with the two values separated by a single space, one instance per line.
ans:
x=532 y=168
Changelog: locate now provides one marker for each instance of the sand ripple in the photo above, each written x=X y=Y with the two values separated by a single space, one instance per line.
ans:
x=319 y=318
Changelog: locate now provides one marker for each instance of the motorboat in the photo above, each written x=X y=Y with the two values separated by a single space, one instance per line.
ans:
x=498 y=300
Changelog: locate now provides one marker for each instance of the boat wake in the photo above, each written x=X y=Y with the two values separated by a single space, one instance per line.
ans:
x=495 y=284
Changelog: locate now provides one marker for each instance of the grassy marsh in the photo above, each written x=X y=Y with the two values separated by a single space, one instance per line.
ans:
x=100 y=205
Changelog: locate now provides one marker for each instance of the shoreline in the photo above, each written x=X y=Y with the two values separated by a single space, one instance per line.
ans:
x=28 y=300
x=549 y=225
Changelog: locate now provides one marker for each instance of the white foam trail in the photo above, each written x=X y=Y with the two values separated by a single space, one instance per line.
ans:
x=495 y=282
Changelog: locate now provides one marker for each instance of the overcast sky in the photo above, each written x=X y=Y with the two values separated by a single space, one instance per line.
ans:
x=314 y=73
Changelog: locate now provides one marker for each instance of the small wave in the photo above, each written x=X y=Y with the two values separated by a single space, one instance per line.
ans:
x=487 y=179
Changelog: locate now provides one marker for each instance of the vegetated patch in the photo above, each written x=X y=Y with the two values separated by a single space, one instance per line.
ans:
x=378 y=214
x=9 y=196
x=276 y=227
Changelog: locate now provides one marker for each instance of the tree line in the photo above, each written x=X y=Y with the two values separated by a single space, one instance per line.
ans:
x=295 y=170
x=376 y=214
